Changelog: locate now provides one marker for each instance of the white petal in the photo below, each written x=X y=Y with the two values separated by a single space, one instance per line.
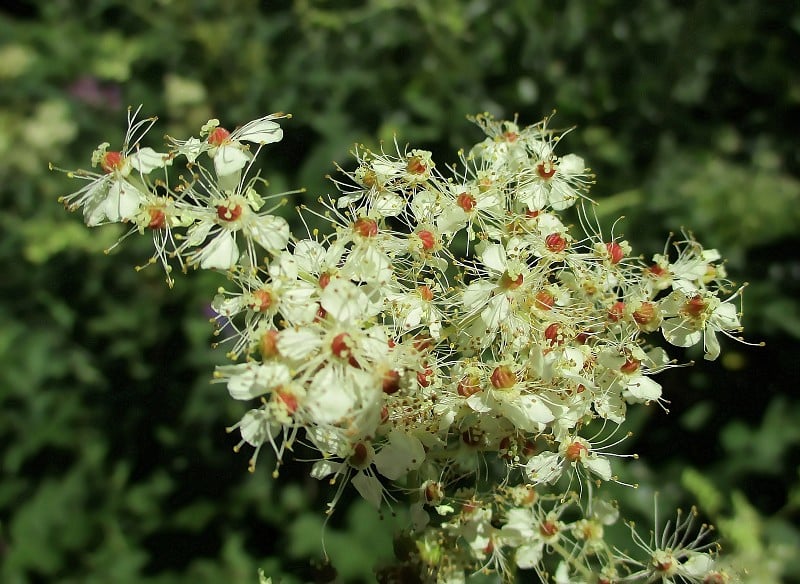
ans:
x=529 y=556
x=725 y=317
x=122 y=201
x=388 y=204
x=220 y=253
x=401 y=455
x=298 y=344
x=230 y=159
x=527 y=412
x=310 y=256
x=146 y=160
x=711 y=345
x=270 y=232
x=368 y=487
x=344 y=301
x=330 y=397
x=571 y=164
x=599 y=465
x=496 y=312
x=325 y=468
x=260 y=131
x=677 y=332
x=643 y=388
x=697 y=566
x=258 y=380
x=494 y=257
x=256 y=427
x=544 y=468
x=476 y=294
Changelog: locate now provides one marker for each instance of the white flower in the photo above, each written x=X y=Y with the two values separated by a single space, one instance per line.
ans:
x=226 y=148
x=117 y=194
x=690 y=318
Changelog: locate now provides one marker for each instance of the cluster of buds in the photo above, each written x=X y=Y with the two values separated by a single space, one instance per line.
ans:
x=449 y=324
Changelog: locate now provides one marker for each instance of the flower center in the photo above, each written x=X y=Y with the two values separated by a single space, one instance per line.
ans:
x=261 y=300
x=469 y=385
x=544 y=300
x=548 y=528
x=555 y=242
x=645 y=314
x=616 y=311
x=630 y=366
x=391 y=382
x=425 y=292
x=509 y=283
x=503 y=377
x=268 y=345
x=158 y=220
x=229 y=212
x=416 y=165
x=360 y=456
x=112 y=161
x=546 y=169
x=615 y=252
x=218 y=136
x=289 y=400
x=427 y=238
x=553 y=334
x=366 y=227
x=575 y=451
x=694 y=307
x=466 y=202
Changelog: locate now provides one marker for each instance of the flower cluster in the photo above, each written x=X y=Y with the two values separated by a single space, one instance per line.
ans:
x=451 y=324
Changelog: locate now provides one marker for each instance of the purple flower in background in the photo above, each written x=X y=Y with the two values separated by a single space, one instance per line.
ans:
x=91 y=92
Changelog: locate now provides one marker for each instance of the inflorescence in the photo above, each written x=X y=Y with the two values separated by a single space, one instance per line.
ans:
x=450 y=327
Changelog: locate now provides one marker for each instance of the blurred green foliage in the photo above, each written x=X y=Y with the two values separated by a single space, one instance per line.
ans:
x=115 y=465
